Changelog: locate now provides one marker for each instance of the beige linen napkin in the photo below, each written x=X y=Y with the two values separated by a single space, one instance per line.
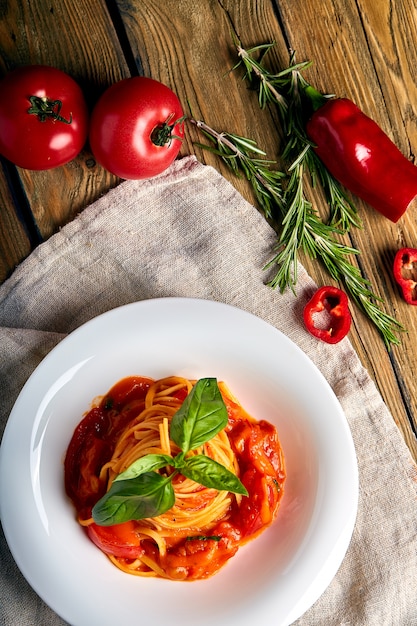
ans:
x=189 y=233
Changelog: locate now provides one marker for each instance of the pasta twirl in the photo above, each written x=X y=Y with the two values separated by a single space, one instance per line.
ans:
x=205 y=527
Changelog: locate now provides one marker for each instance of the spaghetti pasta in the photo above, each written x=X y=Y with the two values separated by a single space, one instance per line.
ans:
x=205 y=526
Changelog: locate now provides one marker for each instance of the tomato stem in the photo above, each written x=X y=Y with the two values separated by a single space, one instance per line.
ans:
x=162 y=133
x=47 y=109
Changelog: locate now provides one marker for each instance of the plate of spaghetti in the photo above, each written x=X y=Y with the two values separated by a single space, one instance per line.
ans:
x=178 y=460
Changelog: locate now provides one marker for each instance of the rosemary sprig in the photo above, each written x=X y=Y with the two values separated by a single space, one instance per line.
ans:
x=302 y=227
x=360 y=290
x=243 y=155
x=286 y=90
x=343 y=213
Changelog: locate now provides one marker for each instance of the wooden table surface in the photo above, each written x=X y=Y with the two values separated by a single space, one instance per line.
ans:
x=366 y=51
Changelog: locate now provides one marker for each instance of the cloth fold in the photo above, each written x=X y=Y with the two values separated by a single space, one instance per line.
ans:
x=189 y=233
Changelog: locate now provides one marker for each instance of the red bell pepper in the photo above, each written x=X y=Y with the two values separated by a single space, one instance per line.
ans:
x=327 y=315
x=361 y=156
x=405 y=273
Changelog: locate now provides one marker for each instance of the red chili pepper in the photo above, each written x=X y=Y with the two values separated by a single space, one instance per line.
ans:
x=329 y=305
x=405 y=273
x=361 y=156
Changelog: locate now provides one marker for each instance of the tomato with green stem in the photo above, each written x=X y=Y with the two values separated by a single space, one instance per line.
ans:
x=136 y=128
x=43 y=117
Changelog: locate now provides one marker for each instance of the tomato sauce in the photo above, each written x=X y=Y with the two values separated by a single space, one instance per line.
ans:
x=262 y=471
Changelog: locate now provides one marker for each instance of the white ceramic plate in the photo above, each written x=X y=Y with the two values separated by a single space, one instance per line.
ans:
x=273 y=579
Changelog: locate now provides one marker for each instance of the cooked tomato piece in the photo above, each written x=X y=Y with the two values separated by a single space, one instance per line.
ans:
x=120 y=540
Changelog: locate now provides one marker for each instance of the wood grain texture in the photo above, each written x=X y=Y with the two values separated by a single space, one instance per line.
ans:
x=15 y=242
x=361 y=49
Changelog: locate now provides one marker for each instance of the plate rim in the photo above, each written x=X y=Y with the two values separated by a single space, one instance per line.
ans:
x=103 y=318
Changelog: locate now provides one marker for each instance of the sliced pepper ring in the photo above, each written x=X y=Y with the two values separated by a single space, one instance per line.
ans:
x=405 y=273
x=327 y=315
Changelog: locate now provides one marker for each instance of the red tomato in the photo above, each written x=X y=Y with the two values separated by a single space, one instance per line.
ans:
x=43 y=117
x=134 y=128
x=119 y=540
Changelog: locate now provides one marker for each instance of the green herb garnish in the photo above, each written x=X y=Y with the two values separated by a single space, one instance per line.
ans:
x=204 y=538
x=141 y=491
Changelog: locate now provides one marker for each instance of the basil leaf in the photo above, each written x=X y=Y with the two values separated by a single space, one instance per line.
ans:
x=178 y=461
x=204 y=470
x=202 y=415
x=147 y=495
x=147 y=463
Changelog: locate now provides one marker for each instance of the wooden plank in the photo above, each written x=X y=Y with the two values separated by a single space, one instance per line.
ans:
x=15 y=243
